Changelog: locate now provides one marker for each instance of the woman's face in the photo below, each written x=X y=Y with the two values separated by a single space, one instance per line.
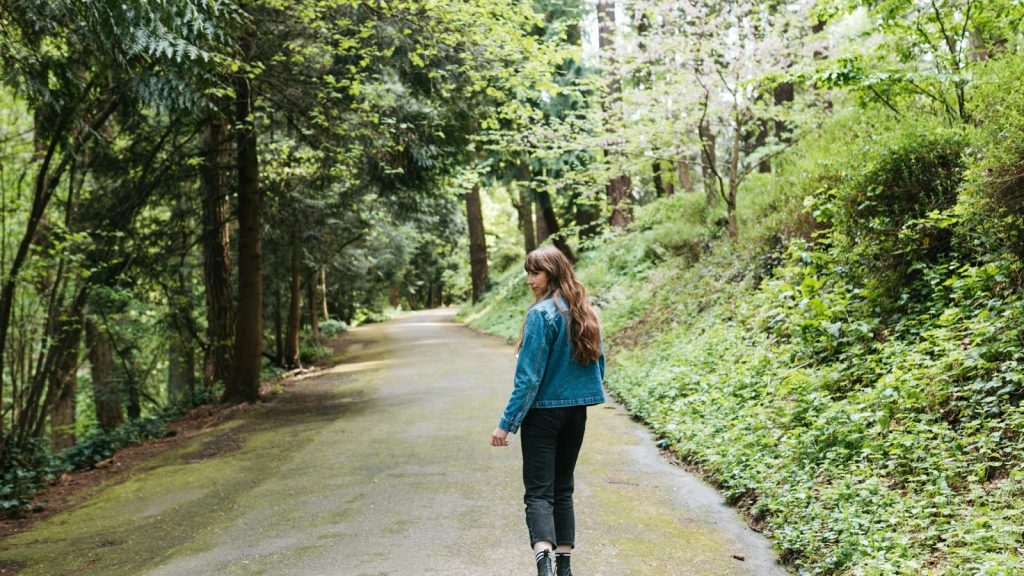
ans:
x=538 y=282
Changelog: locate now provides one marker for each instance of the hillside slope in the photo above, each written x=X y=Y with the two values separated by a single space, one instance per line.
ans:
x=849 y=371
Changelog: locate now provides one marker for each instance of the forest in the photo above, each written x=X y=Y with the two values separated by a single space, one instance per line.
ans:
x=801 y=223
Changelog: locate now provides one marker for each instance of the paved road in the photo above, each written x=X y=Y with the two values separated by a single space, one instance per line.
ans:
x=381 y=466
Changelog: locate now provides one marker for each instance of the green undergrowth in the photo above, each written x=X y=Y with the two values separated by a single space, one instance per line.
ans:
x=33 y=466
x=848 y=372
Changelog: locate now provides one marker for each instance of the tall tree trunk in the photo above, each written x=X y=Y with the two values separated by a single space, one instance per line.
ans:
x=278 y=325
x=734 y=179
x=659 y=185
x=395 y=296
x=606 y=44
x=314 y=303
x=525 y=208
x=62 y=411
x=323 y=293
x=106 y=395
x=618 y=192
x=526 y=218
x=587 y=214
x=783 y=94
x=244 y=384
x=684 y=175
x=540 y=225
x=548 y=211
x=764 y=127
x=215 y=241
x=707 y=160
x=477 y=244
x=291 y=348
x=57 y=369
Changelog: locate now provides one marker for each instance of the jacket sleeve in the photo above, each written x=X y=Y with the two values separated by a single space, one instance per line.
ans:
x=533 y=357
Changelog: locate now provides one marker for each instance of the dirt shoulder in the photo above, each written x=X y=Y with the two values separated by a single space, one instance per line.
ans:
x=76 y=487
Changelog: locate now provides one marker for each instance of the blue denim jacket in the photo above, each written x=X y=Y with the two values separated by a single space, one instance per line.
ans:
x=546 y=374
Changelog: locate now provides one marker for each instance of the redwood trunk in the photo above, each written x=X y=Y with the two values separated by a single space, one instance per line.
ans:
x=278 y=325
x=477 y=244
x=291 y=346
x=540 y=225
x=323 y=292
x=106 y=395
x=683 y=172
x=548 y=212
x=244 y=384
x=525 y=208
x=62 y=411
x=215 y=240
x=618 y=191
x=707 y=160
x=734 y=182
x=659 y=185
x=314 y=322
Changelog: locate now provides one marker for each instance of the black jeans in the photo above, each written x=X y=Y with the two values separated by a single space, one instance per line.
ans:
x=551 y=440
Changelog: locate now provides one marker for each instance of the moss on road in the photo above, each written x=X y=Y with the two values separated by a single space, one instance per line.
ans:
x=380 y=466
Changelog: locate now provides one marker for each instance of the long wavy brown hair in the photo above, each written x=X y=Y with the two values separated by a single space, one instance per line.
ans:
x=583 y=323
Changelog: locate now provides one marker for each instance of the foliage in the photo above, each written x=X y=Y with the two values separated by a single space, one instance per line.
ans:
x=929 y=56
x=312 y=352
x=850 y=374
x=32 y=466
x=331 y=328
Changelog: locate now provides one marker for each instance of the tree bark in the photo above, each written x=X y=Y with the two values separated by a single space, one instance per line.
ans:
x=540 y=224
x=659 y=185
x=734 y=180
x=178 y=387
x=323 y=293
x=394 y=296
x=684 y=174
x=618 y=189
x=783 y=93
x=65 y=383
x=291 y=347
x=525 y=208
x=106 y=395
x=46 y=181
x=548 y=212
x=244 y=384
x=215 y=241
x=477 y=243
x=618 y=192
x=314 y=322
x=587 y=215
x=57 y=367
x=707 y=160
x=278 y=325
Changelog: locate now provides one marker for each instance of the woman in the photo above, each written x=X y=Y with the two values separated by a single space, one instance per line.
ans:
x=559 y=372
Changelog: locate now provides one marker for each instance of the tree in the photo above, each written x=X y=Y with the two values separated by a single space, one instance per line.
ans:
x=929 y=51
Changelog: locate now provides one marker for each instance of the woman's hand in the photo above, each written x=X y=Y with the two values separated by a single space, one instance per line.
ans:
x=499 y=437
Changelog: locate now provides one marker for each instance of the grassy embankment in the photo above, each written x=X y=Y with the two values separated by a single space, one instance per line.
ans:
x=850 y=370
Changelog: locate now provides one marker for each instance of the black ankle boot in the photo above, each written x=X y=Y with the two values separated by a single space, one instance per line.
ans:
x=544 y=567
x=562 y=562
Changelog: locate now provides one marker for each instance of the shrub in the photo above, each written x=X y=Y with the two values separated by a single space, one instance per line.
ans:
x=890 y=212
x=331 y=328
